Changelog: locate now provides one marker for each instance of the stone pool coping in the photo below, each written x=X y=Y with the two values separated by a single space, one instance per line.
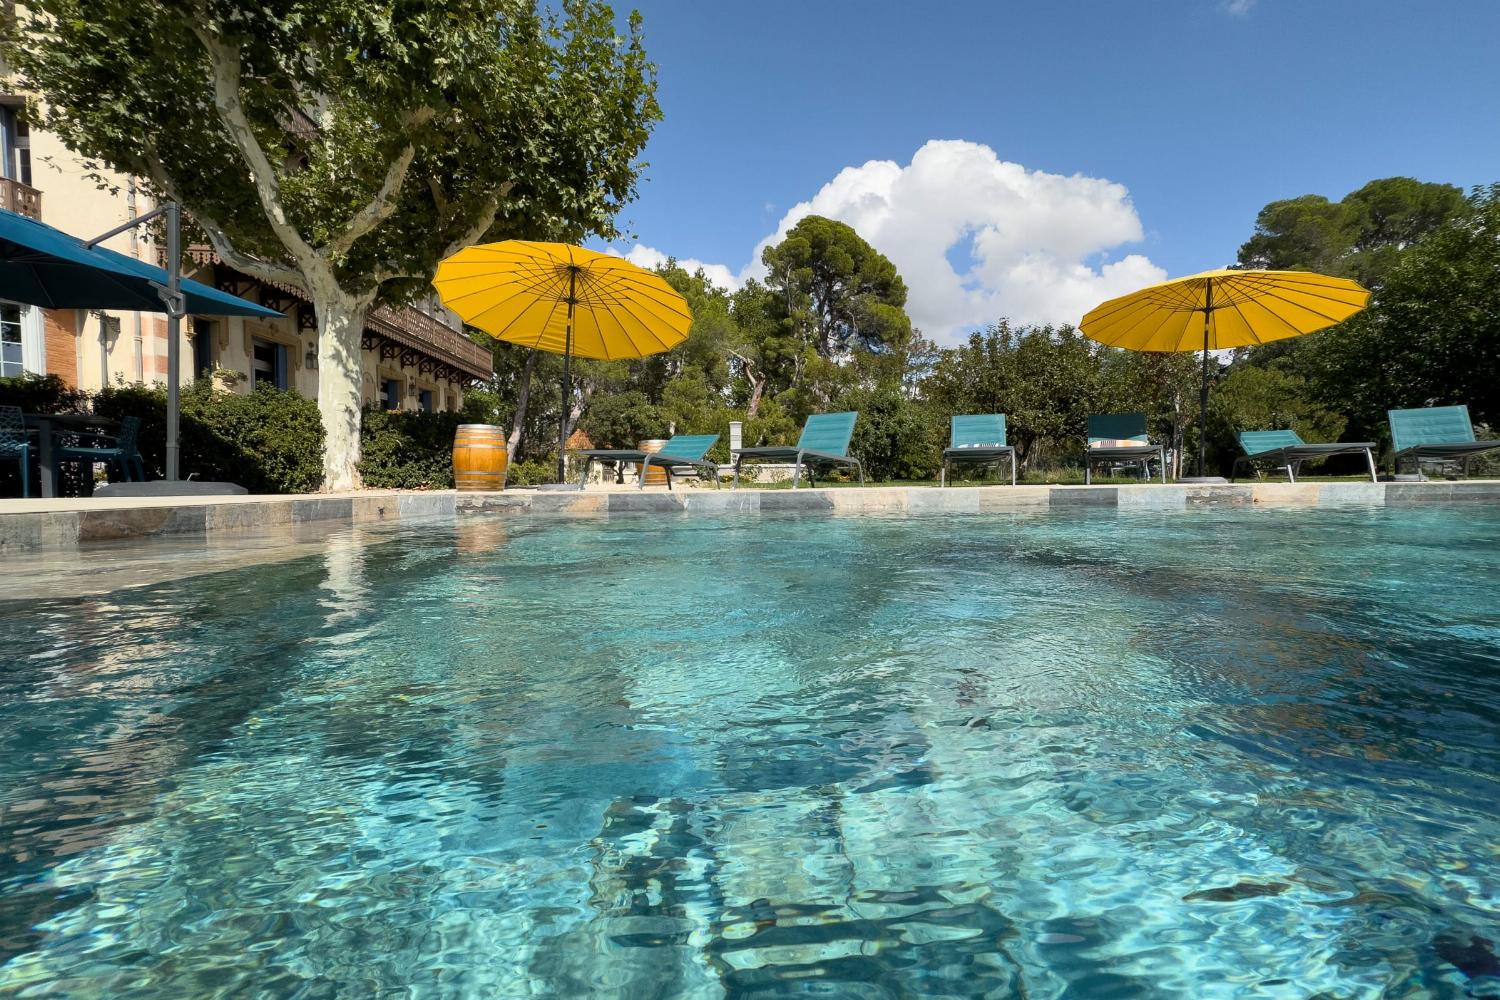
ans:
x=982 y=499
x=78 y=524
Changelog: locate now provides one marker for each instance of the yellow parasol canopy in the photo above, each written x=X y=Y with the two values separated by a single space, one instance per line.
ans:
x=564 y=300
x=1221 y=309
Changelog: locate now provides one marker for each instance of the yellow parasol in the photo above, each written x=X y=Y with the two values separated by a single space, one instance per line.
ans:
x=1239 y=309
x=564 y=300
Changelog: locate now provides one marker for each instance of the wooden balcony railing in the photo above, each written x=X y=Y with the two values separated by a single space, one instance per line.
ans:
x=23 y=199
x=420 y=331
x=409 y=328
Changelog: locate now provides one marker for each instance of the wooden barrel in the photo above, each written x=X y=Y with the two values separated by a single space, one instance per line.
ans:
x=655 y=475
x=479 y=457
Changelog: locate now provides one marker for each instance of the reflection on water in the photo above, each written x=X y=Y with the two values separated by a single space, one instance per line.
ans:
x=1209 y=755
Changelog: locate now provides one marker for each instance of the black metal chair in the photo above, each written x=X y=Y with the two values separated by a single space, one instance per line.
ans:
x=122 y=454
x=14 y=445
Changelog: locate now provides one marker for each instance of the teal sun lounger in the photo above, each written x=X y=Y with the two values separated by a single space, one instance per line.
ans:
x=1286 y=450
x=1121 y=439
x=977 y=438
x=1439 y=433
x=824 y=441
x=684 y=450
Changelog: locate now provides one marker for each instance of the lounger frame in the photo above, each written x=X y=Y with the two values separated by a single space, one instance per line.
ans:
x=824 y=441
x=1121 y=427
x=977 y=438
x=1440 y=433
x=1286 y=450
x=691 y=446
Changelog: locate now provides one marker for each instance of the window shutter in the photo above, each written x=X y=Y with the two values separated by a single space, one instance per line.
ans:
x=281 y=380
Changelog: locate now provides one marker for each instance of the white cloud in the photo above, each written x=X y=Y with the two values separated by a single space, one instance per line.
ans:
x=650 y=257
x=1030 y=245
x=1239 y=8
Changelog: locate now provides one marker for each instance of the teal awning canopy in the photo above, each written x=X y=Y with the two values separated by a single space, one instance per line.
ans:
x=44 y=266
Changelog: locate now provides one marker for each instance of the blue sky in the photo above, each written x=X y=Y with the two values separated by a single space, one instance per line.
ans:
x=1196 y=113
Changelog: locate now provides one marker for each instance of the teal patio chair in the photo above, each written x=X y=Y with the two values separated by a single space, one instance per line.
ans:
x=977 y=437
x=14 y=446
x=1286 y=450
x=1440 y=433
x=682 y=451
x=120 y=453
x=824 y=441
x=1120 y=439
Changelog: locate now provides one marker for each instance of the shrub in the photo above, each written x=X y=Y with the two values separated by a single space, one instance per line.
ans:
x=40 y=394
x=269 y=441
x=408 y=450
x=532 y=472
x=619 y=420
x=895 y=437
x=772 y=425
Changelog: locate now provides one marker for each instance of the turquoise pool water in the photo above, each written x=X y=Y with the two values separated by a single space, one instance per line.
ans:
x=1212 y=754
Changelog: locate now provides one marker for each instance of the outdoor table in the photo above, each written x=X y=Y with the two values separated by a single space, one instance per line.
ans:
x=48 y=425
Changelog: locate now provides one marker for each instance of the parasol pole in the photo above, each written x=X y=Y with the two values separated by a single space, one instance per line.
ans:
x=1208 y=305
x=567 y=385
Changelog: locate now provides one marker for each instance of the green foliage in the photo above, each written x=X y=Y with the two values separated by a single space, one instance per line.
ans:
x=1437 y=322
x=834 y=290
x=549 y=107
x=1047 y=380
x=1360 y=237
x=773 y=425
x=408 y=450
x=619 y=420
x=1431 y=334
x=269 y=441
x=532 y=472
x=40 y=394
x=895 y=437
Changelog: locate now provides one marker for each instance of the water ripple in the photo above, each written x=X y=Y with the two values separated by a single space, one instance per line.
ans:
x=1092 y=755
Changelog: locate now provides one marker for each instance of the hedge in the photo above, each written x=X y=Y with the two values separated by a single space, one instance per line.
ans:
x=269 y=440
x=40 y=394
x=408 y=450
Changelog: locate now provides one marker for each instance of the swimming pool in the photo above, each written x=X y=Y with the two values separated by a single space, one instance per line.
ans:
x=1089 y=754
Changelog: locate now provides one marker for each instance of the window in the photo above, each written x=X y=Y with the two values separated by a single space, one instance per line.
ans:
x=23 y=153
x=424 y=400
x=268 y=363
x=15 y=146
x=203 y=346
x=390 y=394
x=11 y=360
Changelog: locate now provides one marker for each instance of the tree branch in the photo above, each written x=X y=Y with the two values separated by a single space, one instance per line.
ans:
x=381 y=275
x=225 y=62
x=438 y=198
x=384 y=203
x=482 y=224
x=254 y=266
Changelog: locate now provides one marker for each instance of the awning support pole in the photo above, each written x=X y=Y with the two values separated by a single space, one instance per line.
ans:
x=171 y=297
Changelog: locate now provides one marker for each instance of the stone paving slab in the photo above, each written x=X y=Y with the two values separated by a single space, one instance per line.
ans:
x=922 y=500
x=69 y=523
